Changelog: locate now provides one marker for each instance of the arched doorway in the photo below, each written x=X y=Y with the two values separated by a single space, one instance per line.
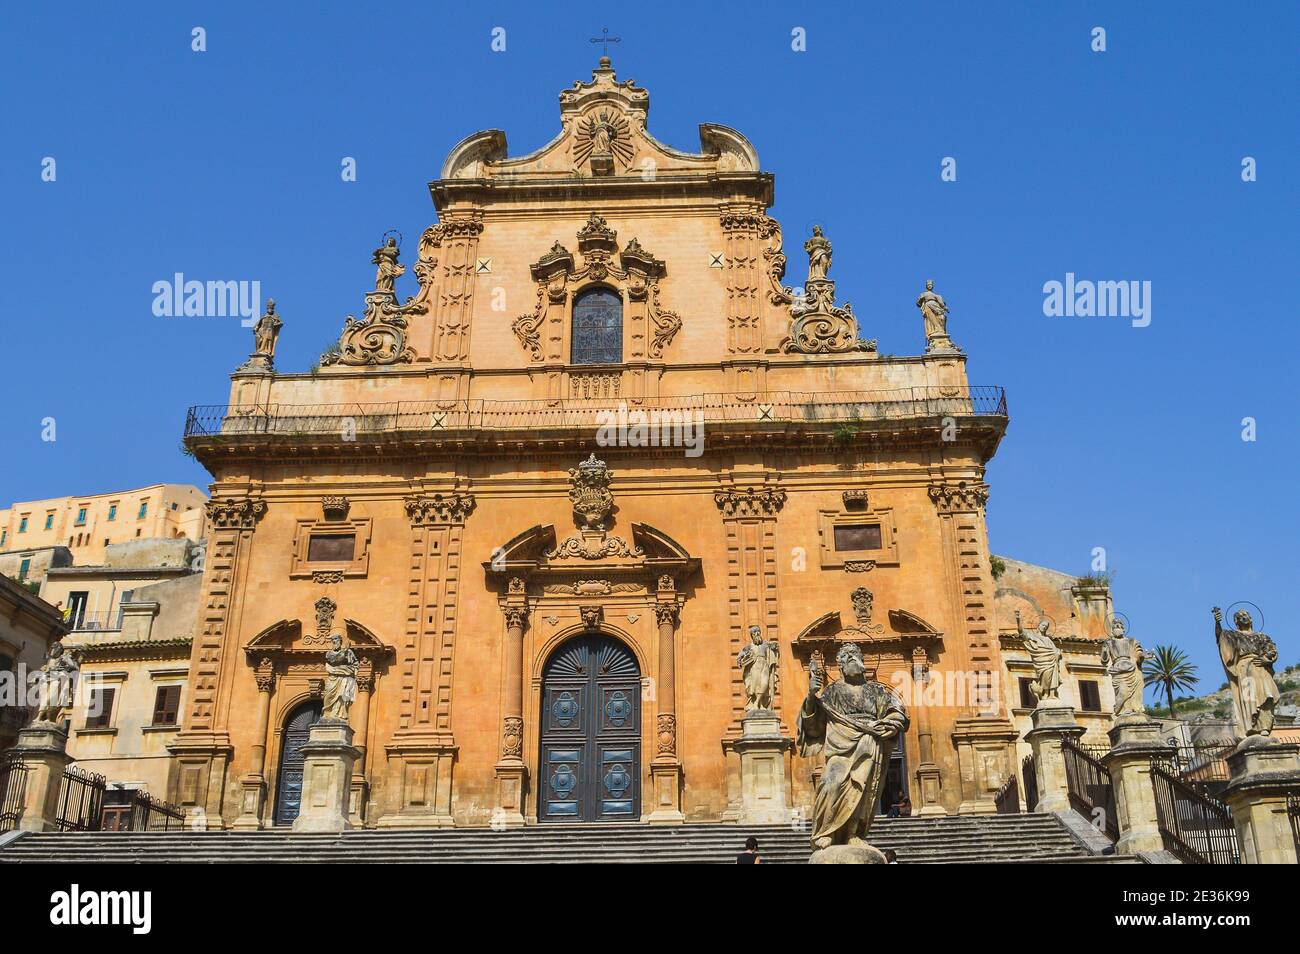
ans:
x=590 y=763
x=288 y=787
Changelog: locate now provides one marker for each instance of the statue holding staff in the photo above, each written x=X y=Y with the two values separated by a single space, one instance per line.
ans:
x=856 y=722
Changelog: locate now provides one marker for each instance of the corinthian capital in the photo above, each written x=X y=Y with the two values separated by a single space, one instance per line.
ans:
x=234 y=513
x=439 y=508
x=749 y=502
x=960 y=497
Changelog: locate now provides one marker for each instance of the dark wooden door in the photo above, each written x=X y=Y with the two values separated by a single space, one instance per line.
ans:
x=590 y=762
x=288 y=798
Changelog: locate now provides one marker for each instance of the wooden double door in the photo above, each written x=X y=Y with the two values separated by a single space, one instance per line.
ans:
x=590 y=761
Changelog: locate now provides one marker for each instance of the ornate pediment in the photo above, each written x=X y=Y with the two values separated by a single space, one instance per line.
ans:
x=591 y=560
x=286 y=637
x=603 y=135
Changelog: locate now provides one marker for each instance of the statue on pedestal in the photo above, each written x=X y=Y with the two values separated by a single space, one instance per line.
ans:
x=856 y=722
x=57 y=679
x=340 y=680
x=1248 y=659
x=819 y=255
x=267 y=331
x=758 y=663
x=934 y=311
x=1122 y=655
x=387 y=268
x=1048 y=660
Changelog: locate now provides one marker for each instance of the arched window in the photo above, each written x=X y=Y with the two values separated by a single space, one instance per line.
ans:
x=597 y=333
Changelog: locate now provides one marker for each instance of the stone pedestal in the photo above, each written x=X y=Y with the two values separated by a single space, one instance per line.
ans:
x=1134 y=742
x=1263 y=772
x=43 y=747
x=252 y=800
x=848 y=855
x=1052 y=726
x=666 y=790
x=327 y=777
x=511 y=775
x=764 y=792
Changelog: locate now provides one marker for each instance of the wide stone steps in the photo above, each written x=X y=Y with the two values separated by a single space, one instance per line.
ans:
x=997 y=838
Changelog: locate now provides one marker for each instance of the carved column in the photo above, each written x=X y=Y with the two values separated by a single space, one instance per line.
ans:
x=360 y=784
x=252 y=800
x=749 y=525
x=984 y=736
x=422 y=751
x=743 y=228
x=201 y=752
x=511 y=772
x=448 y=256
x=666 y=768
x=928 y=779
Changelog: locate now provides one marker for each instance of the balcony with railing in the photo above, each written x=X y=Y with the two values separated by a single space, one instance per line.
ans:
x=772 y=411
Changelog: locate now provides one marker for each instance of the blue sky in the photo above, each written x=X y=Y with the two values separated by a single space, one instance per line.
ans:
x=1122 y=165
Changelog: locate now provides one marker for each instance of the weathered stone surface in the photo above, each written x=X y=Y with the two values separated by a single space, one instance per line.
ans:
x=847 y=855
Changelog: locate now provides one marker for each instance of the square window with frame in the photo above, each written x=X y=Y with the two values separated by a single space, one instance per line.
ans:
x=166 y=705
x=331 y=545
x=851 y=536
x=99 y=709
x=1027 y=700
x=1089 y=696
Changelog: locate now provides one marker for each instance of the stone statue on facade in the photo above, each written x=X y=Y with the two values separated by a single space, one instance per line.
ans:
x=819 y=255
x=340 y=680
x=856 y=722
x=267 y=331
x=1248 y=659
x=758 y=662
x=1048 y=660
x=934 y=312
x=1122 y=655
x=387 y=268
x=57 y=680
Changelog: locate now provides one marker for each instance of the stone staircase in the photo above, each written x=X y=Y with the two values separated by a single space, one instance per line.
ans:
x=989 y=838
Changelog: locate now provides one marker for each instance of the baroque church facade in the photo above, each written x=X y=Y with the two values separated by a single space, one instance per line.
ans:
x=545 y=498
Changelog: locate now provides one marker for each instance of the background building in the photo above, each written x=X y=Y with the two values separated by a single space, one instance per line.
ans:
x=86 y=525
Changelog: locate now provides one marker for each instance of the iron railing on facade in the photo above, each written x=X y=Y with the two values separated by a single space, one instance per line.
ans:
x=1195 y=827
x=765 y=408
x=13 y=790
x=1007 y=798
x=1204 y=762
x=81 y=800
x=1029 y=772
x=96 y=621
x=1088 y=782
x=151 y=814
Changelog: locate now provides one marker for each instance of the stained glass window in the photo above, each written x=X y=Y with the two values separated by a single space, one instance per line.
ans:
x=597 y=328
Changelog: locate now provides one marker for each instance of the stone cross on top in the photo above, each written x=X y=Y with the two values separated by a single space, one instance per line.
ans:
x=605 y=40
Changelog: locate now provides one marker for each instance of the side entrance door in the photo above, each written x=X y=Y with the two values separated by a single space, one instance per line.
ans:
x=590 y=761
x=288 y=798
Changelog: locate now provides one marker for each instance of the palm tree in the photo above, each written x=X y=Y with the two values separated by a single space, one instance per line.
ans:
x=1168 y=666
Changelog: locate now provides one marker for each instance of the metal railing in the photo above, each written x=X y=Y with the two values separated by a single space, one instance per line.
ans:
x=1089 y=785
x=1196 y=828
x=151 y=814
x=1029 y=772
x=767 y=408
x=1204 y=765
x=13 y=789
x=97 y=621
x=1007 y=798
x=81 y=800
